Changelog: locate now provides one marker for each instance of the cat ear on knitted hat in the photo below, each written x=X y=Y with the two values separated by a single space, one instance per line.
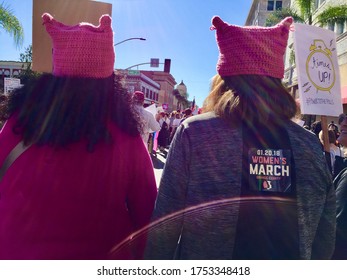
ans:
x=286 y=24
x=105 y=21
x=46 y=17
x=218 y=23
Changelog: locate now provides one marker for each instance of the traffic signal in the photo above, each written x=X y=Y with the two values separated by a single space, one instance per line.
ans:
x=167 y=64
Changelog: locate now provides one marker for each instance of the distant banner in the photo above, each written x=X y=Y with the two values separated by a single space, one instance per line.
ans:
x=318 y=70
x=11 y=84
x=152 y=109
x=160 y=109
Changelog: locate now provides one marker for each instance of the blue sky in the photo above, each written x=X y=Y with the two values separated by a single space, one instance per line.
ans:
x=174 y=29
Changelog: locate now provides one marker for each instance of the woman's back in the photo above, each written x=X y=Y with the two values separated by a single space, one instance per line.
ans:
x=212 y=175
x=68 y=203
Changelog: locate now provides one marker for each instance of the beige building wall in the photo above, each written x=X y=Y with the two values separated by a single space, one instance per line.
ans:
x=259 y=12
x=69 y=12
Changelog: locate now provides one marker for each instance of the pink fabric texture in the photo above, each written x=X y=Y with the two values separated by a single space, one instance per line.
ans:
x=73 y=204
x=82 y=50
x=251 y=49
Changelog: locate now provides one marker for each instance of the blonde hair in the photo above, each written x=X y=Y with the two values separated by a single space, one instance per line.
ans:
x=249 y=97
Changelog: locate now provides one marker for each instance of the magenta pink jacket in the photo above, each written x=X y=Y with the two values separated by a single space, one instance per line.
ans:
x=72 y=204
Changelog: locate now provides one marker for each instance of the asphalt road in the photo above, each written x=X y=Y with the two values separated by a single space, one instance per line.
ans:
x=158 y=164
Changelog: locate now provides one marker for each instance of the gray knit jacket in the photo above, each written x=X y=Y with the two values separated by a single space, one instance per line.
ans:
x=197 y=203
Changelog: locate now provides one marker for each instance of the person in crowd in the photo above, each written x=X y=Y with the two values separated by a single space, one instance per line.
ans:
x=334 y=150
x=82 y=183
x=316 y=127
x=150 y=123
x=242 y=181
x=175 y=124
x=340 y=184
x=332 y=126
x=164 y=134
x=172 y=117
x=187 y=113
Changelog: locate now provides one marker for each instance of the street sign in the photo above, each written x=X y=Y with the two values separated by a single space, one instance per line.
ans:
x=154 y=62
x=133 y=72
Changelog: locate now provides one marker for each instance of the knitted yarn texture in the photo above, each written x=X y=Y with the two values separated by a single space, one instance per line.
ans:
x=251 y=49
x=82 y=50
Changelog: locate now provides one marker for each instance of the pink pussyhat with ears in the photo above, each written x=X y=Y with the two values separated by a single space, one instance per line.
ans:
x=82 y=50
x=139 y=96
x=251 y=49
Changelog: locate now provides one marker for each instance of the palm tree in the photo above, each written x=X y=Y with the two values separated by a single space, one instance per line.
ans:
x=11 y=24
x=306 y=8
x=332 y=14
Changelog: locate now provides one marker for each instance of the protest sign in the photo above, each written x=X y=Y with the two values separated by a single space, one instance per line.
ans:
x=318 y=70
x=152 y=109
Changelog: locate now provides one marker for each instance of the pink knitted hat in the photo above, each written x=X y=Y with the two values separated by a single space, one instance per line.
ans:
x=82 y=50
x=251 y=49
x=139 y=96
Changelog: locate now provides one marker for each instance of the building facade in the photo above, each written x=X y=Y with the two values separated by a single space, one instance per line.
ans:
x=135 y=80
x=182 y=88
x=260 y=10
x=183 y=102
x=167 y=84
x=10 y=69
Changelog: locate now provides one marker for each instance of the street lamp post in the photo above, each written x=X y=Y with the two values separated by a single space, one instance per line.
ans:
x=134 y=38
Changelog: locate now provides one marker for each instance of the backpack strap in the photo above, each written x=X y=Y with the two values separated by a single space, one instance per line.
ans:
x=12 y=156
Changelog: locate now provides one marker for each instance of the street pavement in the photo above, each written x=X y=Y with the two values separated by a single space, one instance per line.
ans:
x=158 y=164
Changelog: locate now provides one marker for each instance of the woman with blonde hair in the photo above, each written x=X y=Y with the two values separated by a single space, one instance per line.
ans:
x=242 y=181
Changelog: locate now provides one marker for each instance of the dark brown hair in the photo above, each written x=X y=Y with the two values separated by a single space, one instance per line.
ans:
x=58 y=111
